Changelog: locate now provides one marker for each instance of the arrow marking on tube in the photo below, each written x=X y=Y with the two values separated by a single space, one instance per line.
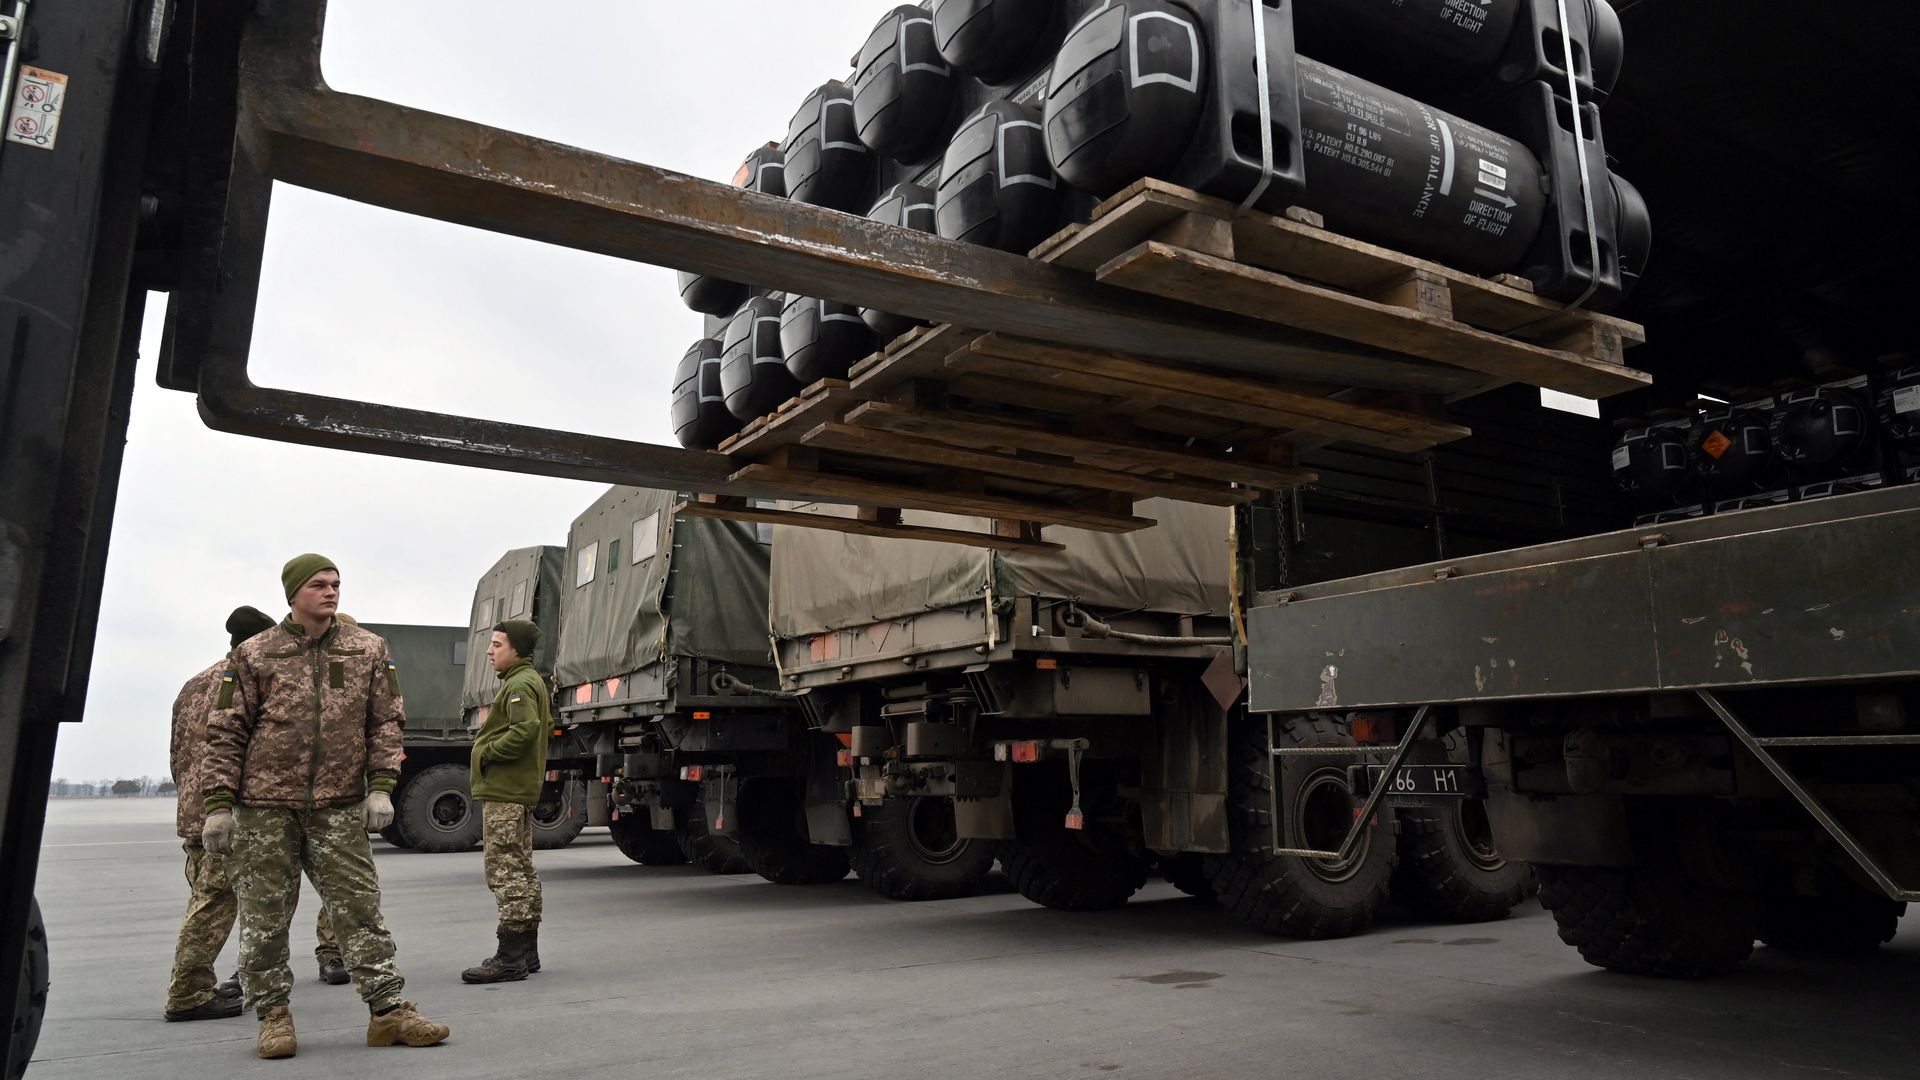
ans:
x=1491 y=197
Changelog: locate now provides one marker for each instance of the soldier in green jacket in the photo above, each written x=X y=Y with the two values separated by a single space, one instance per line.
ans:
x=509 y=767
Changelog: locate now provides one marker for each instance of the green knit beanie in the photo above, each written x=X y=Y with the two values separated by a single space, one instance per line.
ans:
x=301 y=568
x=522 y=634
x=245 y=622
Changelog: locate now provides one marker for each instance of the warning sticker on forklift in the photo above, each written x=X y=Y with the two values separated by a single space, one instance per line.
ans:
x=34 y=119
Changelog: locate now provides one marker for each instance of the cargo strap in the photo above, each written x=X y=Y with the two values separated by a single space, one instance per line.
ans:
x=1580 y=152
x=1266 y=107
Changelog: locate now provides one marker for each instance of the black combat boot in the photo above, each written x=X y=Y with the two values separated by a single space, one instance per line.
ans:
x=230 y=988
x=217 y=1007
x=533 y=949
x=508 y=964
x=333 y=972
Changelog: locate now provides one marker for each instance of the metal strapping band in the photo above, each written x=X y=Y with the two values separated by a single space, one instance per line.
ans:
x=1266 y=105
x=1580 y=148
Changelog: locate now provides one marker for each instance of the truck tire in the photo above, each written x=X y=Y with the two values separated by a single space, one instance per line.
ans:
x=1649 y=919
x=1089 y=869
x=710 y=851
x=1849 y=919
x=773 y=836
x=1187 y=871
x=1286 y=894
x=637 y=839
x=436 y=811
x=907 y=849
x=559 y=819
x=391 y=834
x=30 y=1007
x=1450 y=869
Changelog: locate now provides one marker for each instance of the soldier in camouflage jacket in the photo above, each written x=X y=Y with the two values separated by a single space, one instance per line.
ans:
x=303 y=751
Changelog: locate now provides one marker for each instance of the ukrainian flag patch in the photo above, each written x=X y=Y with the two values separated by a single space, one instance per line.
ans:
x=512 y=698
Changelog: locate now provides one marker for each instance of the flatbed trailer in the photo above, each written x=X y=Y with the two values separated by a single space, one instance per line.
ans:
x=1707 y=731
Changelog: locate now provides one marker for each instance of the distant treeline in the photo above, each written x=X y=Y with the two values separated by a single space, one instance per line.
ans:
x=63 y=788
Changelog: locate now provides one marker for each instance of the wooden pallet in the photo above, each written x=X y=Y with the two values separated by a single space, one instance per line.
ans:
x=1029 y=433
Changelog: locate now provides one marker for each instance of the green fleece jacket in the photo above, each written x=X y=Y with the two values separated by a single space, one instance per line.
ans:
x=510 y=750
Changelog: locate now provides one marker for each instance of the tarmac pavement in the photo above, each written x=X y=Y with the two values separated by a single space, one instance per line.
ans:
x=667 y=973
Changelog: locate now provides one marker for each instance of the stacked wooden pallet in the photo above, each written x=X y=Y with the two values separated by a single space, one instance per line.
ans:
x=1030 y=433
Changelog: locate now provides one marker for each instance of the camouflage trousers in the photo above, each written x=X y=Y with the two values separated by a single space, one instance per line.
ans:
x=211 y=910
x=203 y=932
x=270 y=849
x=509 y=862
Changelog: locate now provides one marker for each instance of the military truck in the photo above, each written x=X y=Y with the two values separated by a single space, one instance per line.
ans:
x=433 y=662
x=665 y=681
x=434 y=810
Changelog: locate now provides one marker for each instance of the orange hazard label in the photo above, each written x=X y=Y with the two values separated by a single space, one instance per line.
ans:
x=1716 y=444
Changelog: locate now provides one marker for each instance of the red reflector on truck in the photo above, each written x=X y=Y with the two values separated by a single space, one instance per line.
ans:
x=691 y=772
x=1026 y=751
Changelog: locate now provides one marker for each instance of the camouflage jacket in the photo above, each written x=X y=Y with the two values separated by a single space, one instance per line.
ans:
x=304 y=723
x=188 y=748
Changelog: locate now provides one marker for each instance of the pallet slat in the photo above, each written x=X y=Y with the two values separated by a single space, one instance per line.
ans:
x=861 y=527
x=1176 y=274
x=1255 y=401
x=770 y=481
x=975 y=430
x=850 y=439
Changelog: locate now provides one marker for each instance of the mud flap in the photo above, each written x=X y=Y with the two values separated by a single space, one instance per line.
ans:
x=1183 y=798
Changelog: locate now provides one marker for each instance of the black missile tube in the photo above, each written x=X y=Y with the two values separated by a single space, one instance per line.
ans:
x=763 y=171
x=1500 y=196
x=909 y=206
x=821 y=339
x=827 y=165
x=1457 y=52
x=700 y=417
x=903 y=89
x=753 y=373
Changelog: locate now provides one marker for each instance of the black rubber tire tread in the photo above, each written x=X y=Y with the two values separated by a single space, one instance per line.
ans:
x=1649 y=919
x=773 y=841
x=1847 y=920
x=1437 y=880
x=1096 y=868
x=556 y=832
x=1187 y=872
x=633 y=833
x=413 y=811
x=710 y=851
x=30 y=1006
x=889 y=863
x=1283 y=894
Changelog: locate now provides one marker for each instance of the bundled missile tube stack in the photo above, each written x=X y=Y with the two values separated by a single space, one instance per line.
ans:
x=1462 y=131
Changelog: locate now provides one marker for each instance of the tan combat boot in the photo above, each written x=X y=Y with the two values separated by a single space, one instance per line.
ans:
x=404 y=1025
x=276 y=1033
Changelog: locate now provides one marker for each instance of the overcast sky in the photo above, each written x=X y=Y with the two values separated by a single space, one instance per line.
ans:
x=364 y=303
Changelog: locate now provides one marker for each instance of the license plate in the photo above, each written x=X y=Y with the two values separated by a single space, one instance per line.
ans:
x=1446 y=781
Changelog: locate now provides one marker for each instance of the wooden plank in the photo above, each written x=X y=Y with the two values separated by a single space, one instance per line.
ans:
x=986 y=432
x=769 y=433
x=860 y=527
x=1299 y=407
x=846 y=438
x=921 y=356
x=1249 y=290
x=767 y=481
x=1304 y=250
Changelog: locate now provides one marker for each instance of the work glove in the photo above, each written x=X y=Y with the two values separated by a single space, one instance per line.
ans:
x=217 y=834
x=378 y=810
